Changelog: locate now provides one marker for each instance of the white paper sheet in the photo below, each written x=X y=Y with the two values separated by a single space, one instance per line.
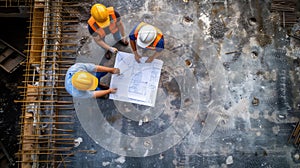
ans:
x=138 y=82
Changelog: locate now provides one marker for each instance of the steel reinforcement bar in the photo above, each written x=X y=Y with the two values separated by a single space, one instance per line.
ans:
x=47 y=110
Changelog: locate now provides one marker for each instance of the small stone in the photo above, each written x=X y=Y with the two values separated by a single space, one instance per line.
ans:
x=202 y=122
x=258 y=133
x=120 y=159
x=229 y=160
x=105 y=163
x=187 y=19
x=255 y=101
x=146 y=119
x=296 y=156
x=161 y=156
x=77 y=141
x=276 y=129
x=281 y=116
x=140 y=122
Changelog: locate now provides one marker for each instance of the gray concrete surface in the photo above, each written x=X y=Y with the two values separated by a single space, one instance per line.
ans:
x=205 y=115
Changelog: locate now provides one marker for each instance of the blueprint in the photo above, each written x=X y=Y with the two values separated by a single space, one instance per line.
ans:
x=137 y=82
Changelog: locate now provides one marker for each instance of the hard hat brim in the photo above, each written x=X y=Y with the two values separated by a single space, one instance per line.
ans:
x=95 y=84
x=104 y=24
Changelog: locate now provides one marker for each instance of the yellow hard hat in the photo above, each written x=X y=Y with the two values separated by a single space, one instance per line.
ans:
x=100 y=14
x=84 y=81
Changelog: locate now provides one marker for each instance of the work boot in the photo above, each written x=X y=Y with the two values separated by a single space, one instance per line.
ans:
x=124 y=43
x=103 y=86
x=107 y=55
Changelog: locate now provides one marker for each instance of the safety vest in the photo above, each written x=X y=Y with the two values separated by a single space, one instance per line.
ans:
x=155 y=42
x=112 y=27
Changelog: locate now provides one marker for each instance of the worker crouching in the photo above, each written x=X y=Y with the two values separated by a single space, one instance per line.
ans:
x=146 y=37
x=83 y=80
x=103 y=21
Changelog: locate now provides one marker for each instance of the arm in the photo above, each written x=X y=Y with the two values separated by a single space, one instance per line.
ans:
x=100 y=68
x=133 y=44
x=100 y=42
x=100 y=93
x=159 y=48
x=151 y=58
x=120 y=26
x=133 y=47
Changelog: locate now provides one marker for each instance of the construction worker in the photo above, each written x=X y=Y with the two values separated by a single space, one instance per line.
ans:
x=146 y=36
x=105 y=20
x=83 y=80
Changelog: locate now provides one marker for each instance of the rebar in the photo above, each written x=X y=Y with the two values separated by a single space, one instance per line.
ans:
x=46 y=120
x=286 y=8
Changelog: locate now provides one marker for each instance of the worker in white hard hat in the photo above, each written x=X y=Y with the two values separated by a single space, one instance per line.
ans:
x=105 y=20
x=146 y=36
x=82 y=80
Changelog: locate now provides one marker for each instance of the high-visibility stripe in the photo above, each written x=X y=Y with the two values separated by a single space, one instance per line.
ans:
x=158 y=37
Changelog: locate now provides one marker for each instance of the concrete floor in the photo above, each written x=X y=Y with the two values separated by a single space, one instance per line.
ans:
x=234 y=107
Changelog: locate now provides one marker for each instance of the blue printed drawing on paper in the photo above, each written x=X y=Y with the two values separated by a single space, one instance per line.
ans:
x=137 y=82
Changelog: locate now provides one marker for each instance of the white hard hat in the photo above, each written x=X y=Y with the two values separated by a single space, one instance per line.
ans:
x=146 y=36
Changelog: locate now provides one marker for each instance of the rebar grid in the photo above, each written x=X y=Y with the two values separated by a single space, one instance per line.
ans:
x=46 y=123
x=286 y=9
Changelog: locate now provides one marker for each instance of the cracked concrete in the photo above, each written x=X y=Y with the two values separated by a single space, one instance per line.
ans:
x=233 y=105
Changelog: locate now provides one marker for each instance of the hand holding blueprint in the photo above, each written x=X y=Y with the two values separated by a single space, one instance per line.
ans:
x=137 y=82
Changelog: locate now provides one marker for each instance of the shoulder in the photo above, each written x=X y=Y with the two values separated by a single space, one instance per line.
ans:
x=160 y=45
x=132 y=35
x=161 y=42
x=83 y=66
x=135 y=27
x=91 y=31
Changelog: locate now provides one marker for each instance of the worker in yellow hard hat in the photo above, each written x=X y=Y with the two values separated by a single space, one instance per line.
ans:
x=82 y=80
x=105 y=20
x=146 y=36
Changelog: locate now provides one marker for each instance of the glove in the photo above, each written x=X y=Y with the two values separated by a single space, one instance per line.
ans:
x=113 y=50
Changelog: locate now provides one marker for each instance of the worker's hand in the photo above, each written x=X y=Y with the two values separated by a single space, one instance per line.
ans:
x=112 y=90
x=150 y=59
x=113 y=50
x=137 y=57
x=116 y=71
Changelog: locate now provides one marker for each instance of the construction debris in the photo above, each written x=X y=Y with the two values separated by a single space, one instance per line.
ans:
x=10 y=58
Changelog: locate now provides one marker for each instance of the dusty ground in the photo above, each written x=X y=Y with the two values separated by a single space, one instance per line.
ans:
x=234 y=107
x=10 y=111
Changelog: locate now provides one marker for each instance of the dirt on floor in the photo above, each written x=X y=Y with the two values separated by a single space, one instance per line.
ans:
x=9 y=116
